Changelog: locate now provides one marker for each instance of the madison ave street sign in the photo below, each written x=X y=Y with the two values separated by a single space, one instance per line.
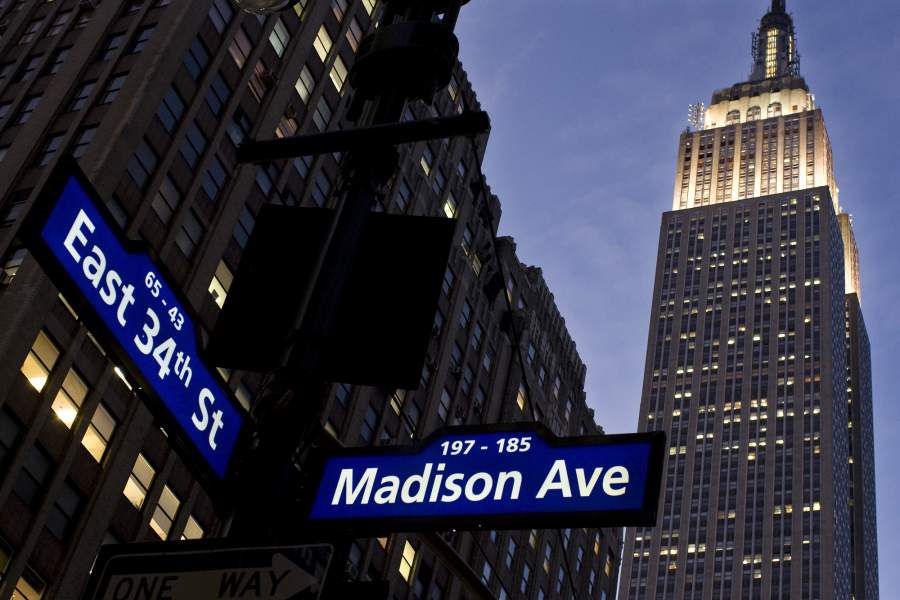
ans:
x=501 y=476
x=123 y=294
x=195 y=570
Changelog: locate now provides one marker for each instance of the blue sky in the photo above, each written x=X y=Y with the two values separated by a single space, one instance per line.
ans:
x=587 y=99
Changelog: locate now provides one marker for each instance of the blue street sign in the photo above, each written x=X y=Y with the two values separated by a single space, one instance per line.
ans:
x=140 y=311
x=516 y=475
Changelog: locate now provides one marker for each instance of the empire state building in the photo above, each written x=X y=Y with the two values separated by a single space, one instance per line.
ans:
x=758 y=365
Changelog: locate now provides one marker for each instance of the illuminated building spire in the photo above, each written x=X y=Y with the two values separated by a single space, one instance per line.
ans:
x=775 y=45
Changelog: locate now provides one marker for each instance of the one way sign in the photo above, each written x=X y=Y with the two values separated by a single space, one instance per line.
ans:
x=194 y=570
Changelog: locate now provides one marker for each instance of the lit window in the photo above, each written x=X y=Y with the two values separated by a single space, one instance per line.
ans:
x=220 y=284
x=369 y=5
x=427 y=160
x=771 y=53
x=522 y=397
x=450 y=206
x=161 y=522
x=354 y=34
x=40 y=361
x=192 y=529
x=70 y=398
x=279 y=37
x=99 y=432
x=139 y=481
x=322 y=43
x=338 y=74
x=407 y=561
x=305 y=84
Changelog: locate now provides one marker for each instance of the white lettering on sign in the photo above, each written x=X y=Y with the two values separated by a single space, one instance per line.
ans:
x=111 y=287
x=433 y=485
x=614 y=481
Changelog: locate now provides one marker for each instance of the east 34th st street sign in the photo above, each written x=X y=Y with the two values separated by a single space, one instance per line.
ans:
x=117 y=287
x=501 y=476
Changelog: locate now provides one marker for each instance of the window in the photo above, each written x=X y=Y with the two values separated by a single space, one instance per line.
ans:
x=221 y=14
x=342 y=393
x=28 y=68
x=240 y=47
x=113 y=42
x=444 y=405
x=113 y=87
x=9 y=433
x=369 y=6
x=142 y=164
x=171 y=109
x=70 y=397
x=166 y=200
x=165 y=512
x=427 y=160
x=339 y=8
x=522 y=397
x=34 y=476
x=338 y=74
x=244 y=227
x=774 y=110
x=196 y=58
x=59 y=23
x=354 y=34
x=477 y=334
x=439 y=181
x=486 y=573
x=322 y=116
x=4 y=109
x=190 y=234
x=192 y=529
x=468 y=379
x=64 y=511
x=40 y=361
x=82 y=95
x=510 y=553
x=56 y=61
x=50 y=147
x=31 y=31
x=99 y=432
x=261 y=81
x=29 y=586
x=548 y=555
x=28 y=107
x=279 y=37
x=305 y=84
x=407 y=561
x=214 y=178
x=193 y=146
x=321 y=190
x=322 y=43
x=141 y=38
x=218 y=94
x=403 y=195
x=239 y=126
x=369 y=425
x=753 y=114
x=450 y=206
x=139 y=481
x=84 y=139
x=526 y=575
x=220 y=284
x=733 y=116
x=449 y=279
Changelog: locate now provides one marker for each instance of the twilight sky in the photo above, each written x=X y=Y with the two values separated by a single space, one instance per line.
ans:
x=587 y=99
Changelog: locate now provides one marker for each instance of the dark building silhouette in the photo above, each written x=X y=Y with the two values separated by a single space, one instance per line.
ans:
x=758 y=363
x=152 y=98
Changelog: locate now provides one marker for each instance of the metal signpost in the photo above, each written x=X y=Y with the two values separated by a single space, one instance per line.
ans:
x=205 y=570
x=122 y=292
x=514 y=476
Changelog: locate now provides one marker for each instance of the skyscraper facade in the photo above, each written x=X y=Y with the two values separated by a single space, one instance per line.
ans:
x=152 y=97
x=758 y=362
